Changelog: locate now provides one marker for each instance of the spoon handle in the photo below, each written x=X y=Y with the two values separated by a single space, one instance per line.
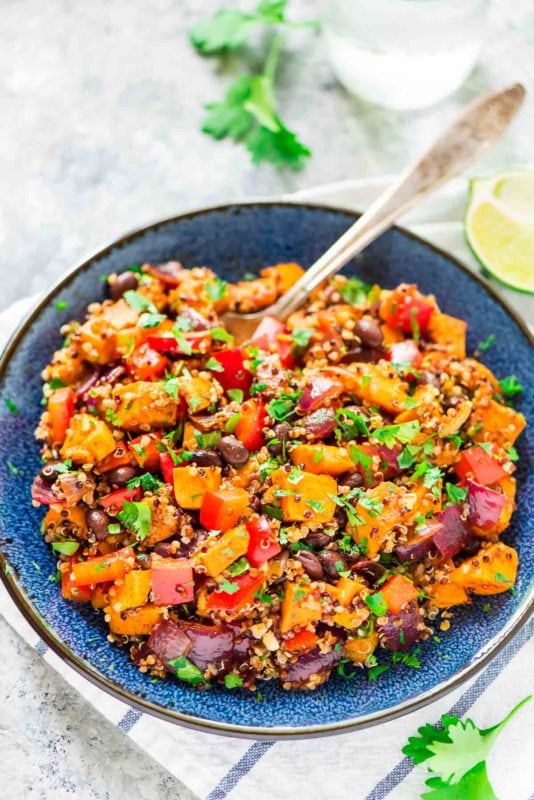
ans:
x=476 y=129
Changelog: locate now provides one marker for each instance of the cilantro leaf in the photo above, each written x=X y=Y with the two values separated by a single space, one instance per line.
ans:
x=229 y=29
x=232 y=681
x=456 y=494
x=510 y=386
x=187 y=671
x=457 y=754
x=355 y=291
x=148 y=320
x=136 y=517
x=66 y=548
x=216 y=289
x=375 y=603
x=404 y=433
x=284 y=406
x=139 y=303
x=486 y=344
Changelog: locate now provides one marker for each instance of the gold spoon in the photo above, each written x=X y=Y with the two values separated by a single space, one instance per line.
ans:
x=475 y=130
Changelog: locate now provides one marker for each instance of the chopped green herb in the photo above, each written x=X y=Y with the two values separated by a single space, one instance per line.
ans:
x=229 y=587
x=275 y=512
x=56 y=383
x=316 y=505
x=375 y=672
x=486 y=344
x=375 y=603
x=366 y=380
x=231 y=423
x=239 y=567
x=114 y=528
x=301 y=337
x=11 y=405
x=150 y=320
x=456 y=494
x=67 y=548
x=512 y=453
x=236 y=395
x=408 y=659
x=318 y=457
x=284 y=406
x=486 y=608
x=61 y=305
x=55 y=578
x=216 y=289
x=139 y=303
x=147 y=482
x=510 y=386
x=350 y=424
x=136 y=517
x=12 y=468
x=355 y=291
x=341 y=669
x=171 y=386
x=220 y=335
x=404 y=433
x=257 y=388
x=207 y=441
x=295 y=475
x=414 y=324
x=187 y=671
x=232 y=681
x=500 y=578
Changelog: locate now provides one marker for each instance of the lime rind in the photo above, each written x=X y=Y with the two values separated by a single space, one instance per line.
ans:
x=517 y=227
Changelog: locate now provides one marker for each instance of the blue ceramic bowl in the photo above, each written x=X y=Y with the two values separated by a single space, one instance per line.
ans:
x=234 y=240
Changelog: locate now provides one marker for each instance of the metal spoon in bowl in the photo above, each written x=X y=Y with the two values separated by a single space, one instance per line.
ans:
x=476 y=129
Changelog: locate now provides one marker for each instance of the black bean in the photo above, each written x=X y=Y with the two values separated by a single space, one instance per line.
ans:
x=311 y=564
x=352 y=479
x=372 y=571
x=233 y=451
x=121 y=475
x=369 y=332
x=426 y=377
x=206 y=458
x=125 y=282
x=48 y=471
x=97 y=522
x=281 y=435
x=317 y=539
x=363 y=354
x=333 y=563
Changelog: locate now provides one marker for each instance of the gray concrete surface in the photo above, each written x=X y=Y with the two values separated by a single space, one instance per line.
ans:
x=101 y=104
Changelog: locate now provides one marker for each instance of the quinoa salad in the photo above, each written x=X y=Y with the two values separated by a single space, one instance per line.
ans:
x=316 y=500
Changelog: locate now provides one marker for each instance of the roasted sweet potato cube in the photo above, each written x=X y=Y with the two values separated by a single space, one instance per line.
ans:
x=381 y=507
x=133 y=621
x=132 y=590
x=164 y=520
x=143 y=405
x=359 y=650
x=449 y=332
x=88 y=440
x=224 y=550
x=492 y=570
x=322 y=459
x=198 y=393
x=299 y=607
x=191 y=484
x=497 y=423
x=305 y=497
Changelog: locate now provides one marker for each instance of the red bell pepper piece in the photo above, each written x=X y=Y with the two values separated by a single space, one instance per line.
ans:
x=405 y=352
x=247 y=585
x=234 y=375
x=172 y=581
x=408 y=310
x=167 y=465
x=114 y=501
x=222 y=509
x=60 y=409
x=483 y=467
x=250 y=426
x=118 y=458
x=301 y=642
x=272 y=335
x=146 y=364
x=69 y=590
x=263 y=543
x=145 y=451
x=169 y=344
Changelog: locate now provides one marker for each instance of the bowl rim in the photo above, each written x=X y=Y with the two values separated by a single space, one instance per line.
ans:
x=82 y=667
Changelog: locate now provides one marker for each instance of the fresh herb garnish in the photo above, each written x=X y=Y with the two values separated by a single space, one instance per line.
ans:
x=136 y=517
x=239 y=567
x=216 y=289
x=139 y=303
x=171 y=385
x=232 y=681
x=500 y=578
x=236 y=395
x=61 y=305
x=66 y=548
x=350 y=424
x=231 y=423
x=375 y=603
x=229 y=587
x=456 y=494
x=214 y=365
x=407 y=659
x=510 y=386
x=220 y=335
x=150 y=320
x=301 y=337
x=284 y=406
x=12 y=468
x=354 y=291
x=375 y=672
x=486 y=344
x=147 y=482
x=404 y=433
x=187 y=671
x=12 y=406
x=456 y=754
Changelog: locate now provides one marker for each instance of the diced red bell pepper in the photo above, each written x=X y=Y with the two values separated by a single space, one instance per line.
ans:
x=247 y=585
x=146 y=364
x=483 y=467
x=110 y=567
x=120 y=457
x=272 y=335
x=263 y=543
x=145 y=451
x=172 y=581
x=405 y=352
x=407 y=309
x=301 y=642
x=167 y=465
x=69 y=590
x=60 y=409
x=114 y=501
x=169 y=344
x=234 y=375
x=250 y=426
x=222 y=509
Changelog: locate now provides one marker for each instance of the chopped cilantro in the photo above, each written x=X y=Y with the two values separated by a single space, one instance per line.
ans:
x=284 y=406
x=486 y=344
x=232 y=681
x=231 y=423
x=512 y=453
x=236 y=395
x=375 y=672
x=150 y=320
x=207 y=441
x=275 y=512
x=301 y=337
x=12 y=468
x=67 y=548
x=456 y=494
x=510 y=386
x=56 y=383
x=214 y=365
x=257 y=388
x=239 y=567
x=316 y=505
x=375 y=603
x=146 y=481
x=220 y=335
x=355 y=291
x=114 y=528
x=136 y=517
x=187 y=671
x=139 y=303
x=366 y=380
x=229 y=587
x=500 y=578
x=11 y=405
x=170 y=385
x=216 y=289
x=350 y=424
x=61 y=305
x=408 y=659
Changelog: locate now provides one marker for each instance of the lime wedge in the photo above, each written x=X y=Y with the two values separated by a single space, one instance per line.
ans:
x=499 y=226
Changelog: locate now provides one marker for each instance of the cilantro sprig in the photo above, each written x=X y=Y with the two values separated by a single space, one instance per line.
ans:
x=136 y=517
x=248 y=112
x=456 y=755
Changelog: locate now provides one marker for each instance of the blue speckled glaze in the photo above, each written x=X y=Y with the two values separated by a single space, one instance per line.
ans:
x=232 y=241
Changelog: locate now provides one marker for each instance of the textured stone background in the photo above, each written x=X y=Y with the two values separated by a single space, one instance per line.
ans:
x=101 y=103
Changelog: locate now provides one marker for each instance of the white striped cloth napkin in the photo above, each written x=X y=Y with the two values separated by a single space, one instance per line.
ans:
x=364 y=765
